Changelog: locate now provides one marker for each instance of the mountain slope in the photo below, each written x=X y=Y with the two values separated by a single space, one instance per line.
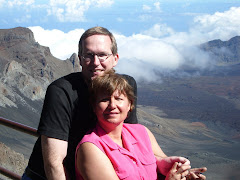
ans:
x=27 y=68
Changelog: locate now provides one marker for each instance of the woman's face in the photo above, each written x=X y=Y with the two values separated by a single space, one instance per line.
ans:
x=112 y=108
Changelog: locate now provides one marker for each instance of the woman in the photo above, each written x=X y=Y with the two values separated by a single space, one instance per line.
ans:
x=115 y=150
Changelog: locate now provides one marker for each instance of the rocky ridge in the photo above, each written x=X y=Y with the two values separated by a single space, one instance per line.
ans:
x=224 y=52
x=26 y=67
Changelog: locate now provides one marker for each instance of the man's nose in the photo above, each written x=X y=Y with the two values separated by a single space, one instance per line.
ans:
x=96 y=61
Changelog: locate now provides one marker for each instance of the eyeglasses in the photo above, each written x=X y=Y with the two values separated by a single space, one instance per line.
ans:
x=89 y=56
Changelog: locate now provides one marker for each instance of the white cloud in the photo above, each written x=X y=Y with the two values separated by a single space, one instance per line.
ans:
x=103 y=3
x=63 y=10
x=146 y=8
x=20 y=2
x=162 y=48
x=159 y=30
x=62 y=45
x=23 y=19
x=145 y=17
x=120 y=19
x=24 y=5
x=221 y=25
x=157 y=6
x=72 y=10
x=149 y=10
x=2 y=2
x=157 y=49
x=141 y=55
x=150 y=50
x=209 y=27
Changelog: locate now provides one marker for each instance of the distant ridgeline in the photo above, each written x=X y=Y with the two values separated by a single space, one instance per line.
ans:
x=224 y=51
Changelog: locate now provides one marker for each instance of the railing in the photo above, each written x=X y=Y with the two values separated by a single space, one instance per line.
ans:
x=19 y=127
x=9 y=174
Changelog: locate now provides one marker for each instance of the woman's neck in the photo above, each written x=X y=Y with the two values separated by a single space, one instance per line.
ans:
x=115 y=133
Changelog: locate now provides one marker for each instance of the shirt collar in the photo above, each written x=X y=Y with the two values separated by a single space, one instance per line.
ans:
x=128 y=138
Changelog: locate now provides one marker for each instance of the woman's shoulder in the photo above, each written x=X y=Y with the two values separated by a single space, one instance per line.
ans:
x=93 y=163
x=91 y=136
x=135 y=127
x=128 y=125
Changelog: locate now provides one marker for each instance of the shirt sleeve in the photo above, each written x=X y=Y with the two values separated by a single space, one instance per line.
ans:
x=56 y=114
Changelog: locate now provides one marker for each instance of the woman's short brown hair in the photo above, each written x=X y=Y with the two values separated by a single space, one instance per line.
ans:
x=108 y=83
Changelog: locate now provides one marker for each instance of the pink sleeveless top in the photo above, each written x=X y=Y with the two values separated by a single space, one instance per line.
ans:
x=133 y=162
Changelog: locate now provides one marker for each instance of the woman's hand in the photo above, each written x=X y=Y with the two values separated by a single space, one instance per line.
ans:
x=178 y=172
x=165 y=164
x=183 y=172
x=195 y=173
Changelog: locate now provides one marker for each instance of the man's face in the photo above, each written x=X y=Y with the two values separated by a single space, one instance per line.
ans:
x=97 y=44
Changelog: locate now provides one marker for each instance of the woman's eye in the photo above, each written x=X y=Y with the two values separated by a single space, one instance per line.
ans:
x=119 y=99
x=104 y=100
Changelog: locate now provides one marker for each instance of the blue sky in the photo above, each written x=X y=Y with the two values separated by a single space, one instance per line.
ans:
x=150 y=33
x=125 y=16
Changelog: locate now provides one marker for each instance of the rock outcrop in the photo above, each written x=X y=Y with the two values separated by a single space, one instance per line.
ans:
x=27 y=68
x=11 y=160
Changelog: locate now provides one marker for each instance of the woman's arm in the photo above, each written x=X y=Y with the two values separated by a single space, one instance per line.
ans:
x=164 y=163
x=93 y=164
x=155 y=147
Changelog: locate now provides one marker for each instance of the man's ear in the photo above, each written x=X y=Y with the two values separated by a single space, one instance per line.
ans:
x=116 y=58
x=80 y=60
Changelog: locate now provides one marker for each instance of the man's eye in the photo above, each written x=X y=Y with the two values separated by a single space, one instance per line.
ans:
x=89 y=55
x=102 y=55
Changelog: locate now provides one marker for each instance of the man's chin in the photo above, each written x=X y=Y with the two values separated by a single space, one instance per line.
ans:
x=97 y=74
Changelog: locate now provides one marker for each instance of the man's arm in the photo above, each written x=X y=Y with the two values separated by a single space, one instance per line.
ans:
x=54 y=151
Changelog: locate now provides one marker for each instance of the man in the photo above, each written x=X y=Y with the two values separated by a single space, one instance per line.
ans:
x=67 y=114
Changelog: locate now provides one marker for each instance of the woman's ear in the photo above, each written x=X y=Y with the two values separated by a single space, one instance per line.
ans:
x=131 y=106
